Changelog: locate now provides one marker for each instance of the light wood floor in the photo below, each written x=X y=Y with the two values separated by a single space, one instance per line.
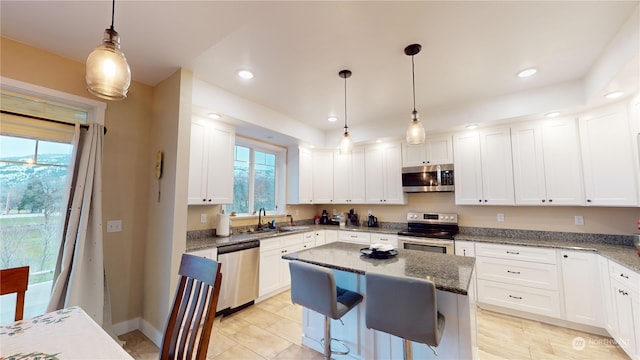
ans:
x=271 y=330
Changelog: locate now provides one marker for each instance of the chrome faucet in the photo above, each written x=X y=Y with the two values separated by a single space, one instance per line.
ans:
x=260 y=213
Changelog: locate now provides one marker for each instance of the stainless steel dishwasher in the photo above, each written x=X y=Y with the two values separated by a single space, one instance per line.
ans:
x=240 y=267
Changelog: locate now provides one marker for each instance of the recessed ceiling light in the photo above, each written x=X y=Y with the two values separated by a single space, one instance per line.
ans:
x=552 y=114
x=312 y=146
x=471 y=126
x=378 y=141
x=527 y=72
x=332 y=119
x=214 y=116
x=614 y=95
x=245 y=74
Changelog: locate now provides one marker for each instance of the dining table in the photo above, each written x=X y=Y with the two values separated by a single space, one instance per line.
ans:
x=69 y=333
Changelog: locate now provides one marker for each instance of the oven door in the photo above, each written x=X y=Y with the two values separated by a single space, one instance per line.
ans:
x=440 y=246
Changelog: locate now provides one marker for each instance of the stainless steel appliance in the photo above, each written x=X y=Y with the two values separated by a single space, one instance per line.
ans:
x=240 y=272
x=429 y=232
x=428 y=178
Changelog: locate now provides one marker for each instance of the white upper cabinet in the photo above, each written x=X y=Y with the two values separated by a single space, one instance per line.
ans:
x=547 y=167
x=483 y=167
x=434 y=151
x=322 y=182
x=210 y=163
x=305 y=176
x=383 y=171
x=609 y=155
x=348 y=177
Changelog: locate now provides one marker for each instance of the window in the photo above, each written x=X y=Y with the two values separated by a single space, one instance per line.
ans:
x=33 y=195
x=258 y=177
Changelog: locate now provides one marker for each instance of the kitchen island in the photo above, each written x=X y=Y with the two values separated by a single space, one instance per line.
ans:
x=451 y=274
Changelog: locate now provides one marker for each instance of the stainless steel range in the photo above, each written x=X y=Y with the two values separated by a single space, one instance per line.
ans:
x=429 y=232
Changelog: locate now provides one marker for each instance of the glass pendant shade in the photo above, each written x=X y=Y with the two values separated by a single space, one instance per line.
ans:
x=108 y=75
x=346 y=145
x=415 y=131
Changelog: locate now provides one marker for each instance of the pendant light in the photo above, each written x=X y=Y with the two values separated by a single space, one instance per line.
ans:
x=346 y=144
x=108 y=75
x=415 y=131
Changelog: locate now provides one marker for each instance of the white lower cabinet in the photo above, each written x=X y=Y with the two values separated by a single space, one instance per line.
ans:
x=320 y=237
x=519 y=278
x=581 y=288
x=274 y=271
x=211 y=253
x=357 y=237
x=391 y=239
x=625 y=295
x=308 y=239
x=464 y=248
x=582 y=294
x=330 y=236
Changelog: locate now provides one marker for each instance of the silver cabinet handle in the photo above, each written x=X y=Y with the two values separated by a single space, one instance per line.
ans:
x=516 y=297
x=513 y=272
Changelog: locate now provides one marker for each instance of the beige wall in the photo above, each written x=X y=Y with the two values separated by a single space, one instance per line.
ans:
x=599 y=220
x=166 y=229
x=126 y=164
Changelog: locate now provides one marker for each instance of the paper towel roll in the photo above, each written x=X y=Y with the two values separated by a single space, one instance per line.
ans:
x=223 y=225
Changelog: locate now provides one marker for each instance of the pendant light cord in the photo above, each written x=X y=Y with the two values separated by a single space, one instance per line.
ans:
x=113 y=11
x=345 y=105
x=413 y=78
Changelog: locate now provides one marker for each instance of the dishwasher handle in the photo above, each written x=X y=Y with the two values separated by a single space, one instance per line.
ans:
x=238 y=247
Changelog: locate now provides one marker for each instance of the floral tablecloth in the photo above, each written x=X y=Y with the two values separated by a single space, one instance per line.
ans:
x=64 y=334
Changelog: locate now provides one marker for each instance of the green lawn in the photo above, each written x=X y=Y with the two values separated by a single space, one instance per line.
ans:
x=22 y=243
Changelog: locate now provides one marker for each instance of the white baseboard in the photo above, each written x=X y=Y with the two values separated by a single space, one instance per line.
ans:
x=126 y=326
x=151 y=332
x=139 y=324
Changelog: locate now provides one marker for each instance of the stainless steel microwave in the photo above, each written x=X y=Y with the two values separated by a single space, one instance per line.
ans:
x=429 y=178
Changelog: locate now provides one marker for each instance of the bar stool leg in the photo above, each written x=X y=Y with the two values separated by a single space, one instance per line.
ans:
x=327 y=338
x=407 y=349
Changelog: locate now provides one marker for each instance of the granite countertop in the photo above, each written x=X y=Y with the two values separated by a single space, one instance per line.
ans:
x=205 y=242
x=449 y=273
x=622 y=254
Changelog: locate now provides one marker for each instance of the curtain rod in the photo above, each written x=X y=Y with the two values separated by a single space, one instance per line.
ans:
x=46 y=119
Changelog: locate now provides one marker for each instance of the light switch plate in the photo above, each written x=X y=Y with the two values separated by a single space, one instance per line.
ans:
x=114 y=225
x=203 y=218
x=578 y=220
x=500 y=217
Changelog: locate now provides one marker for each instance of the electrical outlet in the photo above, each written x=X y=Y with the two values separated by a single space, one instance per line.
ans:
x=578 y=220
x=500 y=217
x=203 y=218
x=114 y=225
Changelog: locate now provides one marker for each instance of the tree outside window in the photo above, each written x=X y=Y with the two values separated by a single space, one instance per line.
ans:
x=255 y=180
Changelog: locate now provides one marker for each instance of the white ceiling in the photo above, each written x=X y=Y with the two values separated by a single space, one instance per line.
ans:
x=465 y=72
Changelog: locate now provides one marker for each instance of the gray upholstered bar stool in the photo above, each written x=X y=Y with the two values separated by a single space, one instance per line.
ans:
x=314 y=287
x=404 y=307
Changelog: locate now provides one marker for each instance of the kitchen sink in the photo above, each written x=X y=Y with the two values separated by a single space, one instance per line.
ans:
x=292 y=228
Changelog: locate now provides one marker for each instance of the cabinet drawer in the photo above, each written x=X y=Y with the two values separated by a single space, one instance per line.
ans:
x=624 y=276
x=391 y=239
x=537 y=301
x=270 y=244
x=514 y=252
x=309 y=237
x=355 y=237
x=292 y=242
x=537 y=275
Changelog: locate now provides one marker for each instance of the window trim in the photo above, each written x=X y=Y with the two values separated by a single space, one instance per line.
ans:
x=281 y=171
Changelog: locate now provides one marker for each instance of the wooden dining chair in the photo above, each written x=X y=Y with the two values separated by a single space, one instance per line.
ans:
x=196 y=298
x=15 y=280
